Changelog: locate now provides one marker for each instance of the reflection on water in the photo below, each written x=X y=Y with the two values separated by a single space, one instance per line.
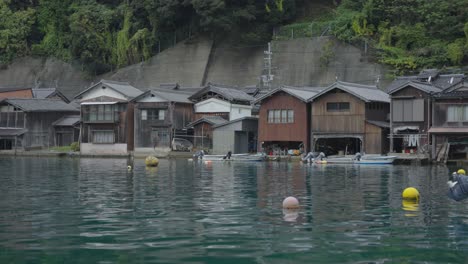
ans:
x=96 y=210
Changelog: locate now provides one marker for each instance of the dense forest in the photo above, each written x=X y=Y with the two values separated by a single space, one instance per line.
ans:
x=107 y=34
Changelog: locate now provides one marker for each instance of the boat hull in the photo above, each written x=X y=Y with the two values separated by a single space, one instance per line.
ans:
x=234 y=157
x=363 y=160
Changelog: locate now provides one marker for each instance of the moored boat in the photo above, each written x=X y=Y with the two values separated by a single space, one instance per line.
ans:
x=363 y=160
x=231 y=157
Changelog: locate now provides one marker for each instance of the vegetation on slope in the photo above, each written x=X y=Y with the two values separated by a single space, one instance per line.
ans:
x=106 y=34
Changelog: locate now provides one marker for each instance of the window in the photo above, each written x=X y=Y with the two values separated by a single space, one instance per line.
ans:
x=457 y=113
x=338 y=107
x=153 y=114
x=290 y=116
x=408 y=110
x=103 y=136
x=284 y=116
x=99 y=112
x=280 y=116
x=270 y=116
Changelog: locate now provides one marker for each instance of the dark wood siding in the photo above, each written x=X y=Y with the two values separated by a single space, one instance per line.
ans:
x=373 y=139
x=296 y=131
x=351 y=121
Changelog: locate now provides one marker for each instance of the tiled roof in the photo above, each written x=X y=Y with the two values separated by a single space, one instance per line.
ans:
x=438 y=81
x=123 y=88
x=302 y=93
x=367 y=93
x=236 y=120
x=69 y=120
x=229 y=92
x=213 y=120
x=169 y=95
x=41 y=105
x=379 y=123
x=42 y=93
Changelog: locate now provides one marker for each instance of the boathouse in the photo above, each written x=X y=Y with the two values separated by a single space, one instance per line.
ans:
x=349 y=118
x=284 y=119
x=238 y=136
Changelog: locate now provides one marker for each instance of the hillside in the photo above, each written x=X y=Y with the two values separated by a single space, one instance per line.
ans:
x=103 y=35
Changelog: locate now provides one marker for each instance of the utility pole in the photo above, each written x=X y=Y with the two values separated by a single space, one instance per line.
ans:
x=268 y=77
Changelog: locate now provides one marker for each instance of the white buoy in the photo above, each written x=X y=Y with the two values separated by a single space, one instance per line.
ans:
x=129 y=167
x=290 y=203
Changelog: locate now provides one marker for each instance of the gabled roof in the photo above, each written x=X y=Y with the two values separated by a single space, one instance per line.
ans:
x=123 y=88
x=441 y=81
x=367 y=93
x=41 y=105
x=229 y=92
x=42 y=93
x=301 y=93
x=213 y=120
x=425 y=87
x=382 y=124
x=170 y=96
x=69 y=120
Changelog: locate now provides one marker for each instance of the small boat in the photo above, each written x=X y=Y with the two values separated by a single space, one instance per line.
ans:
x=320 y=158
x=231 y=157
x=362 y=159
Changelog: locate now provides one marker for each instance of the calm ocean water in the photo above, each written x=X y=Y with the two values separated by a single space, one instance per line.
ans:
x=64 y=210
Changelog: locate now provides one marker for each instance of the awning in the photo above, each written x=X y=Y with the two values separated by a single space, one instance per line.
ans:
x=98 y=103
x=404 y=128
x=12 y=132
x=448 y=130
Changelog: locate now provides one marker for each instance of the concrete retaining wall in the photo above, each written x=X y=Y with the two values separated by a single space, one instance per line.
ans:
x=103 y=149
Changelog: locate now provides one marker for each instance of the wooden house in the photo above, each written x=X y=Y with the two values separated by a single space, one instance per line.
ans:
x=160 y=115
x=284 y=119
x=107 y=118
x=28 y=123
x=203 y=131
x=411 y=109
x=347 y=118
x=449 y=129
x=215 y=104
x=66 y=130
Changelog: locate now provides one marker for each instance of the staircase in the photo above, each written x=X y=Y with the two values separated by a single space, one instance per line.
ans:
x=442 y=154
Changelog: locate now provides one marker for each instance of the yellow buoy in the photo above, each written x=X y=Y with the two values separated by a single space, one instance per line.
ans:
x=410 y=193
x=151 y=161
x=461 y=171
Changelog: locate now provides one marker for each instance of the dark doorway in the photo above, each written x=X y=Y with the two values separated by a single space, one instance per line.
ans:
x=335 y=146
x=6 y=144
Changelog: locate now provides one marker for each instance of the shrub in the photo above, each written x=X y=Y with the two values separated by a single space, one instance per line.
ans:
x=75 y=146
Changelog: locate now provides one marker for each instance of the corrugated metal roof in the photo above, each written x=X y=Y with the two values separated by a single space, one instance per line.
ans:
x=69 y=120
x=41 y=105
x=236 y=120
x=379 y=123
x=367 y=93
x=12 y=131
x=229 y=92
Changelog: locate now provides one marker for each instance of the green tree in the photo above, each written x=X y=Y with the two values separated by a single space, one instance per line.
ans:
x=15 y=27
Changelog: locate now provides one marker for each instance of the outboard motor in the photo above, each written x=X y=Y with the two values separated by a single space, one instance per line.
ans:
x=313 y=156
x=458 y=187
x=357 y=156
x=228 y=155
x=199 y=154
